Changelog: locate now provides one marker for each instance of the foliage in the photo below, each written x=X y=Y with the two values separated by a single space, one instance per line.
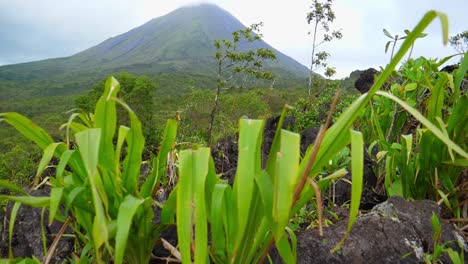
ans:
x=460 y=42
x=421 y=160
x=137 y=92
x=396 y=38
x=312 y=112
x=233 y=63
x=321 y=16
x=440 y=249
x=102 y=194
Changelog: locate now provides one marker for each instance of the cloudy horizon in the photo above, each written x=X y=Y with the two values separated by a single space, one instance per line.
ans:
x=37 y=30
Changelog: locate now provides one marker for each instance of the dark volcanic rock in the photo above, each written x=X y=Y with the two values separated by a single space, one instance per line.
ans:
x=27 y=238
x=366 y=80
x=396 y=231
x=342 y=189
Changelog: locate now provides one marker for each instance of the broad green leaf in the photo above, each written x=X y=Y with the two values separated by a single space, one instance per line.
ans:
x=184 y=204
x=64 y=158
x=455 y=257
x=88 y=143
x=135 y=146
x=200 y=172
x=127 y=210
x=160 y=162
x=11 y=225
x=411 y=87
x=460 y=76
x=357 y=168
x=169 y=210
x=123 y=132
x=285 y=251
x=275 y=145
x=218 y=234
x=357 y=171
x=29 y=129
x=33 y=201
x=287 y=174
x=46 y=157
x=55 y=198
x=106 y=119
x=436 y=131
x=436 y=228
x=11 y=186
x=247 y=167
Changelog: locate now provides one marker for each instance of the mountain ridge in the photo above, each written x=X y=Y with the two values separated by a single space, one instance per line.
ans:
x=180 y=42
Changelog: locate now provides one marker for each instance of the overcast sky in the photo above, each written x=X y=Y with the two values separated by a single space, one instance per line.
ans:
x=40 y=29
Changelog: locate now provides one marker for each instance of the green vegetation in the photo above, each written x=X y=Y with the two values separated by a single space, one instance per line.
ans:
x=321 y=16
x=416 y=120
x=93 y=171
x=233 y=64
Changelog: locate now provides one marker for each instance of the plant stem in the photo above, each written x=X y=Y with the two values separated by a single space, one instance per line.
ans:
x=215 y=107
x=395 y=115
x=52 y=248
x=312 y=57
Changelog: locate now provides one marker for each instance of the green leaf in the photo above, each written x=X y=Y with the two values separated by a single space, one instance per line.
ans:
x=459 y=77
x=135 y=146
x=184 y=204
x=357 y=168
x=46 y=157
x=88 y=143
x=127 y=210
x=387 y=33
x=12 y=187
x=218 y=234
x=411 y=87
x=357 y=171
x=65 y=157
x=287 y=175
x=29 y=129
x=55 y=198
x=247 y=167
x=436 y=131
x=106 y=119
x=160 y=162
x=11 y=225
x=33 y=201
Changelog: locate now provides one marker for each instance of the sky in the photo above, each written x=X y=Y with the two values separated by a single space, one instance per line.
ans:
x=39 y=29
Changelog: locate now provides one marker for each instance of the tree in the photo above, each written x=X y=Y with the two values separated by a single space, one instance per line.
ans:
x=137 y=92
x=236 y=62
x=460 y=42
x=320 y=17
